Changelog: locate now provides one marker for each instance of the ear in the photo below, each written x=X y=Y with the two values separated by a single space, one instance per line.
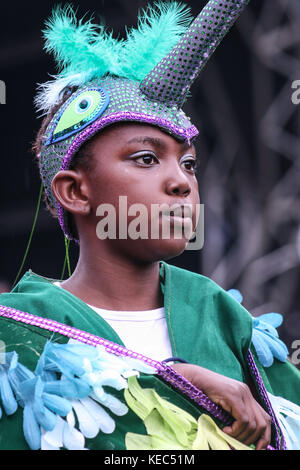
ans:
x=71 y=190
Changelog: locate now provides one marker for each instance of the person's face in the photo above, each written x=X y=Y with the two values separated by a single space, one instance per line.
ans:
x=148 y=167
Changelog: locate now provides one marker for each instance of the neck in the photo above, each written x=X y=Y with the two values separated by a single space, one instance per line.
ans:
x=107 y=281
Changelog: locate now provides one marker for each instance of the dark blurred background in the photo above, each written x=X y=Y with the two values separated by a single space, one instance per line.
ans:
x=248 y=144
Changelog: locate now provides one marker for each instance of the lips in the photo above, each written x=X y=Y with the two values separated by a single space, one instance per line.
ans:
x=180 y=218
x=179 y=211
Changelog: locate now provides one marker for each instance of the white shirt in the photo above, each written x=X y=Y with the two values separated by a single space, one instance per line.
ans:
x=144 y=332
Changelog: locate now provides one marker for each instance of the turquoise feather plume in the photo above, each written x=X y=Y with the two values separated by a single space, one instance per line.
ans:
x=84 y=51
x=159 y=30
x=77 y=46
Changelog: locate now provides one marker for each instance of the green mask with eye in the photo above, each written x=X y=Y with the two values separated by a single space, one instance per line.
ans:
x=79 y=113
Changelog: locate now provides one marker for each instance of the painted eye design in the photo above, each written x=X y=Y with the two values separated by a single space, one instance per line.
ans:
x=83 y=109
x=84 y=104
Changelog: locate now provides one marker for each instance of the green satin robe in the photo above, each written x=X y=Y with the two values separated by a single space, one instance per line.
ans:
x=206 y=327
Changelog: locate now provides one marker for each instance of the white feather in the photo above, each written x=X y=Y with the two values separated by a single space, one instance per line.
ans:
x=104 y=421
x=72 y=438
x=49 y=93
x=53 y=439
x=288 y=415
x=87 y=424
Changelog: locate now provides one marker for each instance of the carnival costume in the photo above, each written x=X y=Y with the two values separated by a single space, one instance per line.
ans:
x=61 y=356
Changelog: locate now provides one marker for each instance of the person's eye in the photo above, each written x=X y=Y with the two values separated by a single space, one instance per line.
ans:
x=146 y=159
x=191 y=164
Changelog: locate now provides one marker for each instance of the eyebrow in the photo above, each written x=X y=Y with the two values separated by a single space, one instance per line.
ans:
x=150 y=140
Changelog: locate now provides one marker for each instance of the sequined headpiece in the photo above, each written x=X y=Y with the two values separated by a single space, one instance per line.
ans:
x=145 y=78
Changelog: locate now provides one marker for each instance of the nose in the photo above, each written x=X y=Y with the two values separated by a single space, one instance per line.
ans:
x=177 y=183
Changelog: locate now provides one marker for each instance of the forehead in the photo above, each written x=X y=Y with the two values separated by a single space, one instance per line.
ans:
x=122 y=134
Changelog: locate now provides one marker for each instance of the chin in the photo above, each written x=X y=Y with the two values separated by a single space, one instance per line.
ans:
x=149 y=251
x=166 y=249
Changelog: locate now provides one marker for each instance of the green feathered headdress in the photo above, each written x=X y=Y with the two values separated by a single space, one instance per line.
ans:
x=145 y=77
x=84 y=50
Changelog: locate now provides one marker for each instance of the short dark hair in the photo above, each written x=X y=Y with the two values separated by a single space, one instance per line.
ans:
x=82 y=158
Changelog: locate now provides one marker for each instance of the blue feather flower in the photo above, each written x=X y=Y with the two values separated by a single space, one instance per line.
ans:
x=236 y=295
x=68 y=382
x=266 y=341
x=8 y=362
x=264 y=335
x=40 y=407
x=82 y=372
x=85 y=371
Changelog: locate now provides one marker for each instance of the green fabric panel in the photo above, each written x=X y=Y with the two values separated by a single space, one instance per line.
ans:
x=285 y=380
x=281 y=379
x=38 y=296
x=206 y=325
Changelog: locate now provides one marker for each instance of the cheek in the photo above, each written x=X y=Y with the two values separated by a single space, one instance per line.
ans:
x=195 y=187
x=122 y=190
x=195 y=194
x=106 y=186
x=195 y=199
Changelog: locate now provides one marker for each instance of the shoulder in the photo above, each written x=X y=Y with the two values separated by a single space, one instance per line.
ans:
x=206 y=297
x=210 y=317
x=33 y=295
x=200 y=287
x=31 y=292
x=189 y=279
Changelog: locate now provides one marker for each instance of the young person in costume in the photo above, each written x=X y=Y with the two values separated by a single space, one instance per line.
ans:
x=86 y=360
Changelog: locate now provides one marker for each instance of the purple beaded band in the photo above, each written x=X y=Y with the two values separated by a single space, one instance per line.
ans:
x=280 y=441
x=186 y=134
x=74 y=333
x=167 y=373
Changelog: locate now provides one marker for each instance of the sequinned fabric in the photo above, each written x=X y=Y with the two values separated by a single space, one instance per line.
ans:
x=171 y=79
